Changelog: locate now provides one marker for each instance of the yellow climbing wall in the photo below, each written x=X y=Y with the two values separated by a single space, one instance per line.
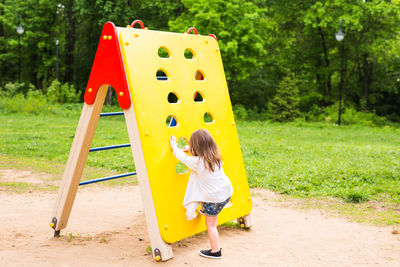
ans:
x=150 y=101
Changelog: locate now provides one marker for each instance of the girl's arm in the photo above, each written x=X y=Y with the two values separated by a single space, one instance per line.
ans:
x=190 y=162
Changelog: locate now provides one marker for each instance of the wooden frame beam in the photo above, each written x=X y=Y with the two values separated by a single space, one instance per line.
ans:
x=76 y=161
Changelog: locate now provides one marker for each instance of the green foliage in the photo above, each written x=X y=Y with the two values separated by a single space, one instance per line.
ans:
x=305 y=39
x=62 y=93
x=258 y=41
x=239 y=112
x=207 y=117
x=11 y=89
x=285 y=104
x=310 y=100
x=34 y=103
x=239 y=26
x=41 y=23
x=181 y=142
x=350 y=116
x=181 y=168
x=255 y=91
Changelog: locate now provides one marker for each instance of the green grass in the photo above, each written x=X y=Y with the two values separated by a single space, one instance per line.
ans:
x=21 y=187
x=353 y=163
x=50 y=138
x=42 y=143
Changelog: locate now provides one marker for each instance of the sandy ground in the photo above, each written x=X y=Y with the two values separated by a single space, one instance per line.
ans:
x=108 y=227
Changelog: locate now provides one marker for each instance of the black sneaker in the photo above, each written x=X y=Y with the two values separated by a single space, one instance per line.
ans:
x=209 y=254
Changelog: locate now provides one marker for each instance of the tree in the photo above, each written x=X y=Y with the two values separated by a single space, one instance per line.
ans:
x=259 y=40
x=369 y=28
x=284 y=106
x=39 y=20
x=239 y=26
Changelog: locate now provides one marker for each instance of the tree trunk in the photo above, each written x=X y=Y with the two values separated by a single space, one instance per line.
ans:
x=359 y=71
x=70 y=38
x=326 y=58
x=109 y=95
x=179 y=10
x=320 y=83
x=231 y=82
x=1 y=24
x=33 y=76
x=367 y=77
x=2 y=50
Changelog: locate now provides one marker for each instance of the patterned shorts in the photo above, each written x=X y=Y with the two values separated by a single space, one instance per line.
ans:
x=213 y=209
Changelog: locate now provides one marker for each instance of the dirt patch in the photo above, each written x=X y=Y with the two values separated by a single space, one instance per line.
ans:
x=24 y=176
x=107 y=227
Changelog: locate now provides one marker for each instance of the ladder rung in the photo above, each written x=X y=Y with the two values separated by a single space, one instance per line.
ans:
x=172 y=123
x=111 y=114
x=108 y=147
x=107 y=178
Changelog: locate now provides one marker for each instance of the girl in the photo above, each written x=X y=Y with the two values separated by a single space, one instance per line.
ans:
x=208 y=185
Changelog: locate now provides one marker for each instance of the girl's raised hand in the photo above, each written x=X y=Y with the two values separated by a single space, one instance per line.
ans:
x=172 y=141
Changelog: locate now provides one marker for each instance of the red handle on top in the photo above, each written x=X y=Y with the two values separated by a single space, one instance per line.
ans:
x=137 y=21
x=192 y=29
x=213 y=36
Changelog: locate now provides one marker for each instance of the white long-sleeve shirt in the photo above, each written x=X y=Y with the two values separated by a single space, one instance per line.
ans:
x=204 y=185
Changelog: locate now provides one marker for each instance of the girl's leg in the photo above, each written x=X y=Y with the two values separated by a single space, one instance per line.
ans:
x=211 y=223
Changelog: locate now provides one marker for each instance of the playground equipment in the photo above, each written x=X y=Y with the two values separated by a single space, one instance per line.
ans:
x=166 y=84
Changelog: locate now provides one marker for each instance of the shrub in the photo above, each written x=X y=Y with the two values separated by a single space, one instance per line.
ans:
x=284 y=106
x=350 y=116
x=62 y=93
x=35 y=102
x=12 y=89
x=14 y=104
x=253 y=114
x=239 y=112
x=315 y=113
x=309 y=101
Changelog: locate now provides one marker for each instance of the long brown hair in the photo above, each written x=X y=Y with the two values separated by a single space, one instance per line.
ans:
x=203 y=145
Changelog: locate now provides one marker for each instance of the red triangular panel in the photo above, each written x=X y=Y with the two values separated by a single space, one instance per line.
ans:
x=108 y=68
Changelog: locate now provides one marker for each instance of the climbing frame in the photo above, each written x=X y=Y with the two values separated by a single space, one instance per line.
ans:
x=202 y=75
x=167 y=84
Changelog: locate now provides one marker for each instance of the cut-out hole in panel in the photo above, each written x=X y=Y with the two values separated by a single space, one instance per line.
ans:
x=161 y=75
x=163 y=52
x=182 y=142
x=171 y=121
x=189 y=54
x=198 y=97
x=111 y=96
x=199 y=75
x=181 y=168
x=208 y=118
x=173 y=98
